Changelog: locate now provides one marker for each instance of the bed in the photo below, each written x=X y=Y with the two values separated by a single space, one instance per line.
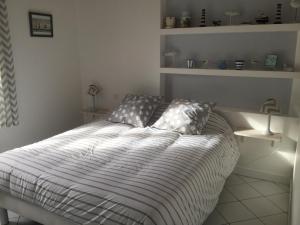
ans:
x=111 y=173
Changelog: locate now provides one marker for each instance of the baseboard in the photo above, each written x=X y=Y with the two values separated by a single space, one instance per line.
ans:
x=262 y=175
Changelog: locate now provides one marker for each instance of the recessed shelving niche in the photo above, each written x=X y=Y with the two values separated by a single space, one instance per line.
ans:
x=218 y=47
x=215 y=10
x=251 y=43
x=229 y=43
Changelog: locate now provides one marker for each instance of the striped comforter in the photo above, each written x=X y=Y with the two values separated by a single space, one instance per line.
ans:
x=113 y=174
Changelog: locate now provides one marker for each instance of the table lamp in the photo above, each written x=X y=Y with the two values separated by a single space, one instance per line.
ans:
x=93 y=91
x=295 y=4
x=270 y=107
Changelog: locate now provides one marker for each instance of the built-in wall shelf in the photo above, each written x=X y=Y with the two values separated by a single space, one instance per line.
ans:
x=232 y=73
x=276 y=137
x=293 y=27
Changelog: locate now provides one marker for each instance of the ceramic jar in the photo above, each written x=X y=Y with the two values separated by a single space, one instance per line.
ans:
x=186 y=20
x=170 y=22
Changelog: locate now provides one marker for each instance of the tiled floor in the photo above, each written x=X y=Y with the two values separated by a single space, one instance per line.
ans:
x=244 y=201
x=248 y=201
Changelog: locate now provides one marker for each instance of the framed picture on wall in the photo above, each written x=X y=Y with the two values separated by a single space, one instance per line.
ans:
x=41 y=24
x=271 y=61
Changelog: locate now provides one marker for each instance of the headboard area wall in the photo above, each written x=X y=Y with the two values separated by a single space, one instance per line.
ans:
x=244 y=93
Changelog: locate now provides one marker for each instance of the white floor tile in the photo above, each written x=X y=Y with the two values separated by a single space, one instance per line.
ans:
x=266 y=188
x=281 y=201
x=249 y=222
x=24 y=221
x=215 y=219
x=234 y=212
x=249 y=179
x=281 y=219
x=243 y=191
x=284 y=187
x=226 y=197
x=11 y=214
x=238 y=188
x=234 y=179
x=14 y=219
x=12 y=223
x=261 y=207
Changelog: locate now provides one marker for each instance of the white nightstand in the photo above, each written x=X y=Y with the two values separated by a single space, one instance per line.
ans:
x=276 y=137
x=89 y=116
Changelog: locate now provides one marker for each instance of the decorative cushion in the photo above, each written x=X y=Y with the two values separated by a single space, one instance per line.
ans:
x=158 y=113
x=217 y=124
x=135 y=110
x=185 y=117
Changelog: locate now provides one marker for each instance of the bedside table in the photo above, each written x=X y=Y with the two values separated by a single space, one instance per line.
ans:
x=276 y=137
x=89 y=116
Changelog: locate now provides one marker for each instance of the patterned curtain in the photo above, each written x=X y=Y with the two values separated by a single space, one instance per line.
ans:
x=8 y=98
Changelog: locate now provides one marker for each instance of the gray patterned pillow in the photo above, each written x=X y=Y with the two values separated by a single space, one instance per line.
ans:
x=158 y=113
x=185 y=117
x=135 y=110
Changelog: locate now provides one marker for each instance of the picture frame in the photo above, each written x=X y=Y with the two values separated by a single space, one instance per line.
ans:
x=41 y=24
x=271 y=61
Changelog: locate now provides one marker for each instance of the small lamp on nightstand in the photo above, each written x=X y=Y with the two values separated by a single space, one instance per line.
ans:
x=93 y=91
x=270 y=107
x=295 y=4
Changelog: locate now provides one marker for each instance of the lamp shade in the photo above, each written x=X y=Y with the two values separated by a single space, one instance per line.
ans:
x=270 y=106
x=295 y=4
x=93 y=90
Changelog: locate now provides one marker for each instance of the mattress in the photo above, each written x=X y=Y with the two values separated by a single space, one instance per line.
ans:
x=114 y=174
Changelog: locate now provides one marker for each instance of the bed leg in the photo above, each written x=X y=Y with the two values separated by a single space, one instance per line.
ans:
x=3 y=217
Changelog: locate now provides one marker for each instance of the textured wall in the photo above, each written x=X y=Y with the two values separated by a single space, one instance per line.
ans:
x=47 y=73
x=119 y=47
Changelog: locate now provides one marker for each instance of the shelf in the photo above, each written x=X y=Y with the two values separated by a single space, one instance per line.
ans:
x=232 y=73
x=293 y=27
x=259 y=135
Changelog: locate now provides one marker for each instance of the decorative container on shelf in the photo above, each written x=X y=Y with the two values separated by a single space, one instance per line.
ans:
x=170 y=22
x=170 y=58
x=239 y=64
x=186 y=20
x=262 y=19
x=217 y=23
x=271 y=61
x=190 y=63
x=204 y=64
x=222 y=65
x=278 y=19
x=254 y=64
x=231 y=14
x=203 y=18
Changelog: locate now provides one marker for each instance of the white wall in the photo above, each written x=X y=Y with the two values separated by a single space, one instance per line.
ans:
x=239 y=91
x=119 y=47
x=296 y=190
x=47 y=73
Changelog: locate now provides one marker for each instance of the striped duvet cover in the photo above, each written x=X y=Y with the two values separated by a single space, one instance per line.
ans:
x=113 y=174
